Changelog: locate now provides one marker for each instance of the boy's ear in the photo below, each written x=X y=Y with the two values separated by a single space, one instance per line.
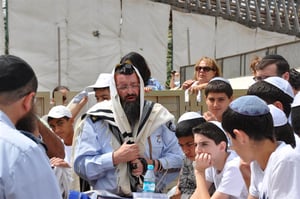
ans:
x=286 y=76
x=223 y=146
x=278 y=104
x=241 y=136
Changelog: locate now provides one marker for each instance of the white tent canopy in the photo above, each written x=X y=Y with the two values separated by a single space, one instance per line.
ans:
x=71 y=42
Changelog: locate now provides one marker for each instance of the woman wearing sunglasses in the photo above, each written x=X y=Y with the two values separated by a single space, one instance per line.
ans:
x=204 y=70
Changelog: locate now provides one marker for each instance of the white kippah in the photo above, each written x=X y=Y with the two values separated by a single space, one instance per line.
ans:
x=279 y=117
x=219 y=125
x=250 y=105
x=296 y=101
x=282 y=84
x=189 y=116
x=220 y=79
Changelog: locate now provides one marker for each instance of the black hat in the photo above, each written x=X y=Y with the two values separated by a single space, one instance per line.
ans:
x=14 y=73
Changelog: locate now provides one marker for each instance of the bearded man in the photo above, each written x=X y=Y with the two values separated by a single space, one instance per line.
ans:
x=120 y=137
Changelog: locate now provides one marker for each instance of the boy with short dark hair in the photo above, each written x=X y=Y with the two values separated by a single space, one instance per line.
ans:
x=186 y=182
x=214 y=163
x=275 y=168
x=218 y=94
x=274 y=90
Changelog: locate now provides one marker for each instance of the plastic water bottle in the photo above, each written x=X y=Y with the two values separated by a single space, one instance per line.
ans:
x=149 y=179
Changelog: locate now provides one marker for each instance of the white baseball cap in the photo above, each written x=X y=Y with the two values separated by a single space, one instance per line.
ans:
x=103 y=81
x=59 y=111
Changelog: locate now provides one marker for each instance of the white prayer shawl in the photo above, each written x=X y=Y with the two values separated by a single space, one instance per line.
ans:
x=158 y=116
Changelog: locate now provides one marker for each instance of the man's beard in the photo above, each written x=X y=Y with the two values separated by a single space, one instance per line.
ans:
x=132 y=110
x=28 y=122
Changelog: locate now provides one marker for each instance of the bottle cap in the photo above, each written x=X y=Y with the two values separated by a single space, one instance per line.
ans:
x=150 y=167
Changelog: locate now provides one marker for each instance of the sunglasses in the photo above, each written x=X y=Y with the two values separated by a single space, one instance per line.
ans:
x=125 y=68
x=204 y=68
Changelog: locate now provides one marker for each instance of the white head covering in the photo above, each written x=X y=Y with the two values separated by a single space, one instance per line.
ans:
x=219 y=125
x=59 y=111
x=282 y=84
x=103 y=81
x=279 y=117
x=189 y=116
x=121 y=119
x=296 y=101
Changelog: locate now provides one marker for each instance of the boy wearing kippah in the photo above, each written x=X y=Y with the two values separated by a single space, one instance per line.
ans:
x=274 y=90
x=215 y=164
x=186 y=182
x=218 y=95
x=275 y=168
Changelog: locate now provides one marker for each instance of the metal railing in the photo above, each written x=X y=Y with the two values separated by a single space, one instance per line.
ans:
x=280 y=16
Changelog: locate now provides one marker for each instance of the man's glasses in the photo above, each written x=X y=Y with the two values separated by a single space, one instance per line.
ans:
x=125 y=68
x=126 y=87
x=260 y=78
x=204 y=68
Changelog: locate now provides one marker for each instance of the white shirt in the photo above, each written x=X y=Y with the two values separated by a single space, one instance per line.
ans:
x=68 y=153
x=229 y=181
x=297 y=139
x=187 y=94
x=281 y=176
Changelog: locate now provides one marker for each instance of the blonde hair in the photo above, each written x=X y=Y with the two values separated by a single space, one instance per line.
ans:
x=253 y=64
x=210 y=62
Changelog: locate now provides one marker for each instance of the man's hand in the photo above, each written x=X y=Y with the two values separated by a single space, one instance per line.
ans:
x=126 y=153
x=187 y=84
x=147 y=89
x=80 y=96
x=137 y=166
x=209 y=116
x=58 y=162
x=195 y=89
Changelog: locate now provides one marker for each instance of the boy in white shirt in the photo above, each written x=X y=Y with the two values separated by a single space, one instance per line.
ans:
x=275 y=168
x=215 y=164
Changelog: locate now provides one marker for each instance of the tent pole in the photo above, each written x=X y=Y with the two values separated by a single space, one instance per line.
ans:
x=58 y=56
x=188 y=46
